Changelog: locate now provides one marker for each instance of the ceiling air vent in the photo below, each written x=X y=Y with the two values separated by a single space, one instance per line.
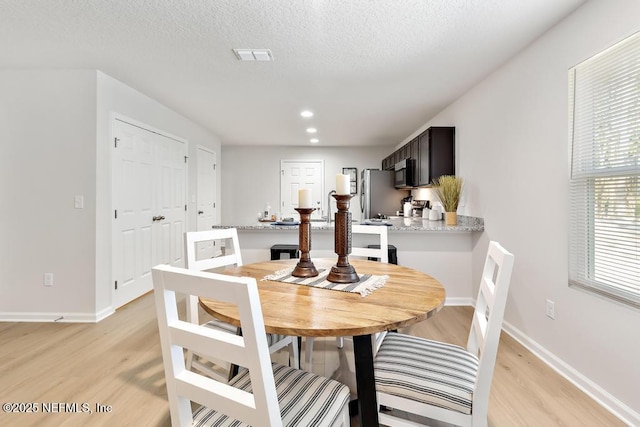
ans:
x=253 y=54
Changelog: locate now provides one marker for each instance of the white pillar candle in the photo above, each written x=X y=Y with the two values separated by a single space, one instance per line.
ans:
x=343 y=185
x=304 y=198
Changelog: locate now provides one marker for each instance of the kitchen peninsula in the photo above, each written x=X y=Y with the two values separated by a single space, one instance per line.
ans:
x=432 y=247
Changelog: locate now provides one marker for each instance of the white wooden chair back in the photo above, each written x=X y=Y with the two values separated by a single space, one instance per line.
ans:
x=488 y=315
x=382 y=253
x=191 y=240
x=381 y=231
x=249 y=350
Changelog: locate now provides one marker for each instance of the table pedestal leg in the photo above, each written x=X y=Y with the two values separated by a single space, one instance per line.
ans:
x=365 y=380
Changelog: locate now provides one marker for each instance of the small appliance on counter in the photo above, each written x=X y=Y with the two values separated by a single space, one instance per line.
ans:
x=435 y=214
x=418 y=206
x=405 y=206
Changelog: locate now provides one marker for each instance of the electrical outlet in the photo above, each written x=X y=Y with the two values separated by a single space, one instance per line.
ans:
x=48 y=279
x=551 y=309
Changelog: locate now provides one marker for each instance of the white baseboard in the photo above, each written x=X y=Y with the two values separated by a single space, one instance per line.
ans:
x=57 y=317
x=459 y=301
x=104 y=313
x=604 y=398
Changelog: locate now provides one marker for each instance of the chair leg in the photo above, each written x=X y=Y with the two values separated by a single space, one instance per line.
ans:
x=308 y=353
x=377 y=341
x=294 y=352
x=189 y=361
x=308 y=350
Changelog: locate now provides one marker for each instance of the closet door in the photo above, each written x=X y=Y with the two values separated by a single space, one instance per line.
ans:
x=168 y=247
x=148 y=196
x=206 y=197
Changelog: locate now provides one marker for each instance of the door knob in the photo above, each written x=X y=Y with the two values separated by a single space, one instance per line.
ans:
x=200 y=212
x=158 y=218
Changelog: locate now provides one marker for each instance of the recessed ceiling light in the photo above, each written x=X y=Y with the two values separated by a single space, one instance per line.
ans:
x=307 y=113
x=314 y=140
x=312 y=130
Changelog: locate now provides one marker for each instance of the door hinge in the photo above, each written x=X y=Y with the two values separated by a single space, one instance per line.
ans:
x=185 y=158
x=214 y=205
x=214 y=166
x=115 y=142
x=116 y=285
x=185 y=208
x=115 y=215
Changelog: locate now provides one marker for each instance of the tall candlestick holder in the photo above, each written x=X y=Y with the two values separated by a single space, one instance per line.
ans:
x=343 y=272
x=305 y=267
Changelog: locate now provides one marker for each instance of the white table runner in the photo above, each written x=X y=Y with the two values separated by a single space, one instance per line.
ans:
x=367 y=283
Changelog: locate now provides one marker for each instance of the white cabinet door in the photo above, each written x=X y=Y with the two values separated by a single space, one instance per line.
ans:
x=148 y=181
x=297 y=174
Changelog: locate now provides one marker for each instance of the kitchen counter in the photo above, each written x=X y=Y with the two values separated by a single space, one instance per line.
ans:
x=465 y=224
x=432 y=247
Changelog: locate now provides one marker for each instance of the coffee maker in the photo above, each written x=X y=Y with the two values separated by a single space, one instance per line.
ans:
x=417 y=206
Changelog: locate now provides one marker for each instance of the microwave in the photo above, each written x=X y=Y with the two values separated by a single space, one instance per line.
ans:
x=404 y=172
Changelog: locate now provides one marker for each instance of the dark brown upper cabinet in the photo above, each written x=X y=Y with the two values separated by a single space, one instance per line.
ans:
x=436 y=147
x=434 y=154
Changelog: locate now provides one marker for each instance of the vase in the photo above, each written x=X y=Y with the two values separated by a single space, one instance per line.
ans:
x=451 y=218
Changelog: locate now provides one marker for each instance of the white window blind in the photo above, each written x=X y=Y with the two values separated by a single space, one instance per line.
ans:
x=604 y=101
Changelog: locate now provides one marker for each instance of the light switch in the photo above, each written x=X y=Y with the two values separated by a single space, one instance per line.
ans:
x=78 y=202
x=48 y=279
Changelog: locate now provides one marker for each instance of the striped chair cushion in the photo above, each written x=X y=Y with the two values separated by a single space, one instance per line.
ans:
x=221 y=326
x=228 y=327
x=426 y=371
x=305 y=399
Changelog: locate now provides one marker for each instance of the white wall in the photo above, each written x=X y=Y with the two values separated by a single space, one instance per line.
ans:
x=513 y=152
x=48 y=154
x=251 y=175
x=55 y=133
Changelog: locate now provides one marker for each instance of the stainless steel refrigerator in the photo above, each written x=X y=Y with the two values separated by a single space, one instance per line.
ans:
x=378 y=194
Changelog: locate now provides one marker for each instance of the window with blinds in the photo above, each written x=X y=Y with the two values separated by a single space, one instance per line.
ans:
x=604 y=242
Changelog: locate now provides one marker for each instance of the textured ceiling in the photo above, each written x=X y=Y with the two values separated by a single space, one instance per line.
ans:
x=373 y=71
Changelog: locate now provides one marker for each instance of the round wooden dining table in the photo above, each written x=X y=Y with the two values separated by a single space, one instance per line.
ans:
x=407 y=297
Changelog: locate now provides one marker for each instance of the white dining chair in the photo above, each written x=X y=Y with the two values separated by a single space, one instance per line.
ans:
x=263 y=393
x=381 y=252
x=383 y=237
x=443 y=381
x=192 y=241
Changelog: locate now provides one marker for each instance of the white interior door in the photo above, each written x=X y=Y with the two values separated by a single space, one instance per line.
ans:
x=148 y=194
x=297 y=174
x=170 y=203
x=206 y=200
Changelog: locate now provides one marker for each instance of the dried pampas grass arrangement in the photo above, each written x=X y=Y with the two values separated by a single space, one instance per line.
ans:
x=448 y=189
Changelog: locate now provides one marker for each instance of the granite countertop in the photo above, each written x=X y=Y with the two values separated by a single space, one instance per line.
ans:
x=465 y=224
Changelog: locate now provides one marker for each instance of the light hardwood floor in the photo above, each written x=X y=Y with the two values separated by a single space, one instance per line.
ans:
x=117 y=362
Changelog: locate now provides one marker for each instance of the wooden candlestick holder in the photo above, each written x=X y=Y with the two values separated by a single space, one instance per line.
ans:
x=343 y=272
x=305 y=267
